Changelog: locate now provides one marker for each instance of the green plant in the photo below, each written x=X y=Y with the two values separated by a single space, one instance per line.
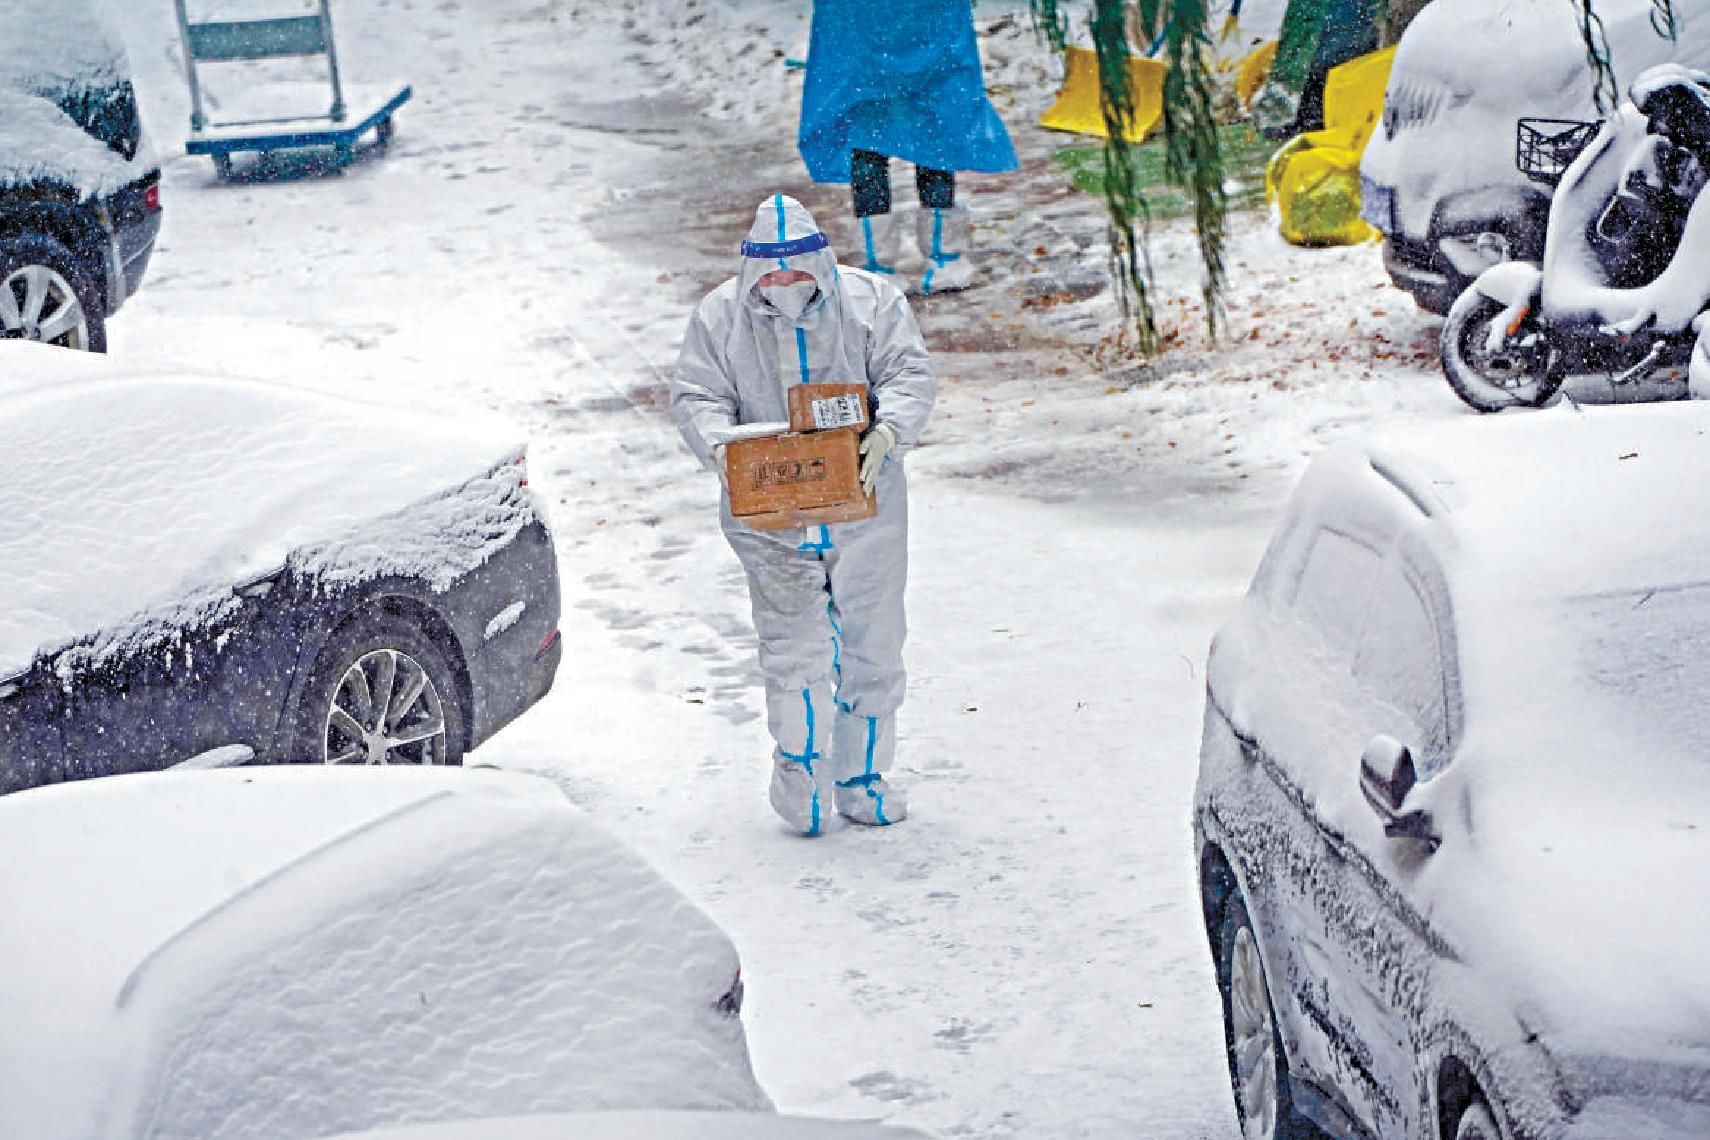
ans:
x=1245 y=152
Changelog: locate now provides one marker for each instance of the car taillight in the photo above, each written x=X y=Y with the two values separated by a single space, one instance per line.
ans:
x=151 y=197
x=546 y=643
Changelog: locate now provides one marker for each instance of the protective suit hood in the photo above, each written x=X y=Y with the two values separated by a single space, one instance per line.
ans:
x=785 y=236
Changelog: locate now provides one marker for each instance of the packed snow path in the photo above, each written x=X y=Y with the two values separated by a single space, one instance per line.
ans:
x=1022 y=958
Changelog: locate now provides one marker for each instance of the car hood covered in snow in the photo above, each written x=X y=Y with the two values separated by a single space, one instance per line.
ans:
x=299 y=951
x=1577 y=825
x=123 y=493
x=1576 y=814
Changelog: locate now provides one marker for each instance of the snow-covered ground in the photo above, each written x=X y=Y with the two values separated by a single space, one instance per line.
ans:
x=1022 y=958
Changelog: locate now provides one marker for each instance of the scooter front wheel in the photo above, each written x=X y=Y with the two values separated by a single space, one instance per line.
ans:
x=1518 y=372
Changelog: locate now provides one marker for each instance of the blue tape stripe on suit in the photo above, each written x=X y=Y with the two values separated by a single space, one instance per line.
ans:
x=807 y=757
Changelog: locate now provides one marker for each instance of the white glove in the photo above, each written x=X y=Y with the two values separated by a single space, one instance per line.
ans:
x=719 y=468
x=875 y=445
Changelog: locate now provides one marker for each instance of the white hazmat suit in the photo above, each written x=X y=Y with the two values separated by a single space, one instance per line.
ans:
x=827 y=600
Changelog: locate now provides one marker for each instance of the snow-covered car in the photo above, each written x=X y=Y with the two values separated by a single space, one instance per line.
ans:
x=209 y=570
x=647 y=1126
x=79 y=183
x=1450 y=813
x=1438 y=178
x=297 y=952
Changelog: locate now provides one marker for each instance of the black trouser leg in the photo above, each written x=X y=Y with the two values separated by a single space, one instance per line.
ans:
x=870 y=183
x=937 y=188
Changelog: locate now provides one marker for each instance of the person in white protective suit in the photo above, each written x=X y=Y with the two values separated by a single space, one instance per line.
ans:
x=827 y=600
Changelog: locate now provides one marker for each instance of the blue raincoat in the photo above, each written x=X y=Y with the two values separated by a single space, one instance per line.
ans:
x=901 y=78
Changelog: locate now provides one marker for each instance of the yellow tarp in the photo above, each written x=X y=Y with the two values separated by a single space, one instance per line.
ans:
x=1077 y=105
x=1314 y=179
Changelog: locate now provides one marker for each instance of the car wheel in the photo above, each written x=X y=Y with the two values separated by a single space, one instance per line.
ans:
x=1520 y=372
x=1258 y=1071
x=45 y=296
x=381 y=693
x=1477 y=1124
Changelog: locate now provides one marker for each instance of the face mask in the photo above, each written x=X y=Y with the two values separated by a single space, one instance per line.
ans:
x=790 y=300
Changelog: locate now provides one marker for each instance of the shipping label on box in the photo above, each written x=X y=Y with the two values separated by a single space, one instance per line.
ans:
x=837 y=411
x=827 y=407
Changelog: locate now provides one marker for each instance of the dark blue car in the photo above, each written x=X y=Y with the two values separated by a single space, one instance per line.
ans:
x=214 y=571
x=79 y=184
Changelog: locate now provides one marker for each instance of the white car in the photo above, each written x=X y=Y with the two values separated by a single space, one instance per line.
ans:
x=296 y=952
x=1453 y=811
x=1439 y=178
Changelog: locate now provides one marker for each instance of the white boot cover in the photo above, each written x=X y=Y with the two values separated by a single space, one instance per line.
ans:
x=881 y=243
x=943 y=238
x=863 y=748
x=798 y=726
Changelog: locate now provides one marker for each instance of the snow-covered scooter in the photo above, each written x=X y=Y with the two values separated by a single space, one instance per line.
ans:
x=1625 y=280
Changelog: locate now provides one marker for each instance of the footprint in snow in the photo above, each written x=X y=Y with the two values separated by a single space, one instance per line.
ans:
x=887 y=1086
x=960 y=1036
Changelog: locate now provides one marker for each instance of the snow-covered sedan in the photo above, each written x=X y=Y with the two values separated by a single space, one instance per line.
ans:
x=205 y=570
x=1451 y=816
x=293 y=953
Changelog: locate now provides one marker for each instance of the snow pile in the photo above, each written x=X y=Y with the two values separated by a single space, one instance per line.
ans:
x=125 y=493
x=300 y=951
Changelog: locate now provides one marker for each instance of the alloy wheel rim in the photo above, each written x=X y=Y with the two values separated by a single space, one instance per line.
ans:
x=38 y=303
x=1254 y=1039
x=385 y=710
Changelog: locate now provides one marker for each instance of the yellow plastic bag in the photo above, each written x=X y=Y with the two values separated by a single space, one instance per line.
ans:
x=1314 y=179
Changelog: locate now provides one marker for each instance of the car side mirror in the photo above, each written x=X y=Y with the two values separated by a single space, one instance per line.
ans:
x=1386 y=777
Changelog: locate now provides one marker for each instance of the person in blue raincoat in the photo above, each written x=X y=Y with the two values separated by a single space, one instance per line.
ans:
x=901 y=79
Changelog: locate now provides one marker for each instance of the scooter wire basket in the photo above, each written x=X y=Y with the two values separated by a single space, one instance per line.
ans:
x=1545 y=148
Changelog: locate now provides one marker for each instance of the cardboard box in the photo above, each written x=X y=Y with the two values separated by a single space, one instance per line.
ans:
x=797 y=479
x=827 y=407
